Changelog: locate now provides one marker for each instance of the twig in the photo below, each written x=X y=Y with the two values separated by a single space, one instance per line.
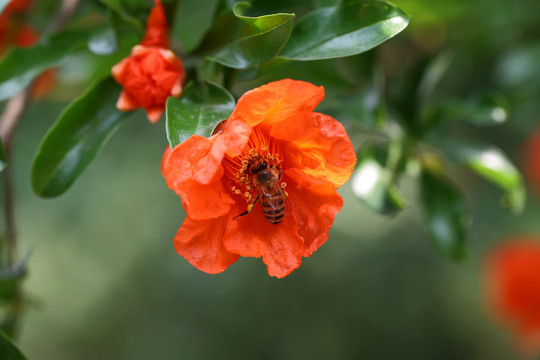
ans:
x=8 y=123
x=10 y=117
x=66 y=11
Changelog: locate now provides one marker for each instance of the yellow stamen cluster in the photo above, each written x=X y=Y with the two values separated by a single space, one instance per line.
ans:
x=243 y=177
x=237 y=170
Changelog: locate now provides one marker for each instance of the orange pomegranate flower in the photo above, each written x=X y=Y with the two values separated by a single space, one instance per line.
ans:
x=513 y=275
x=152 y=72
x=265 y=185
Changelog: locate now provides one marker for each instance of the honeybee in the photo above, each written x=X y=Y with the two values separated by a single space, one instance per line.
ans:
x=272 y=197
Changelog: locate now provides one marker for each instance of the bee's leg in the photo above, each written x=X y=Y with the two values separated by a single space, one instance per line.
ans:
x=249 y=208
x=280 y=173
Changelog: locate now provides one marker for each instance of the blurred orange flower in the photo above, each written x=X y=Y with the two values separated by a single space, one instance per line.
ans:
x=13 y=30
x=16 y=32
x=532 y=161
x=233 y=184
x=152 y=72
x=513 y=276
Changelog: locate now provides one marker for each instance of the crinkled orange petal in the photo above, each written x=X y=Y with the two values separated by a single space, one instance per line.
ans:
x=279 y=245
x=179 y=167
x=231 y=142
x=201 y=243
x=277 y=101
x=318 y=145
x=156 y=27
x=315 y=203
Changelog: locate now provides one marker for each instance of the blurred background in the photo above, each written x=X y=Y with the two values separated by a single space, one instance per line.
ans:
x=105 y=282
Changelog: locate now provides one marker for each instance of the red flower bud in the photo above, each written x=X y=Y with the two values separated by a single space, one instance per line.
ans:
x=152 y=72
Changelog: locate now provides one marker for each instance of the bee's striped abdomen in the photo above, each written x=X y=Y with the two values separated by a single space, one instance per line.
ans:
x=273 y=207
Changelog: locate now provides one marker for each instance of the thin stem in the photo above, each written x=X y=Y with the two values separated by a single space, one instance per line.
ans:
x=67 y=9
x=9 y=209
x=8 y=124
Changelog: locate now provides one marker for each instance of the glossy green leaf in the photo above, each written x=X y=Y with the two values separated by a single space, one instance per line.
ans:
x=445 y=214
x=262 y=39
x=76 y=138
x=193 y=21
x=121 y=8
x=103 y=42
x=349 y=28
x=372 y=183
x=492 y=164
x=201 y=107
x=3 y=159
x=20 y=66
x=8 y=349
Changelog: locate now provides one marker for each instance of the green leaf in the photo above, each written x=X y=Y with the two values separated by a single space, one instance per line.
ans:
x=20 y=66
x=445 y=214
x=103 y=42
x=193 y=21
x=10 y=280
x=492 y=164
x=488 y=109
x=134 y=14
x=349 y=28
x=201 y=107
x=372 y=182
x=76 y=138
x=3 y=159
x=262 y=39
x=8 y=349
x=433 y=74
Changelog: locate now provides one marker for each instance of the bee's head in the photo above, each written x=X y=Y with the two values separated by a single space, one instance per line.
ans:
x=258 y=166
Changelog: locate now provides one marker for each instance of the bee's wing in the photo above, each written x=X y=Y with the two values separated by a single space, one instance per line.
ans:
x=270 y=192
x=288 y=205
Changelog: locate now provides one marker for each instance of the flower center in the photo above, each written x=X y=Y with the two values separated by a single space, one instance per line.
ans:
x=259 y=159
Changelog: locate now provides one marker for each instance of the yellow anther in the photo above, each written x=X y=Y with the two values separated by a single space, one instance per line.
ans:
x=237 y=192
x=283 y=184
